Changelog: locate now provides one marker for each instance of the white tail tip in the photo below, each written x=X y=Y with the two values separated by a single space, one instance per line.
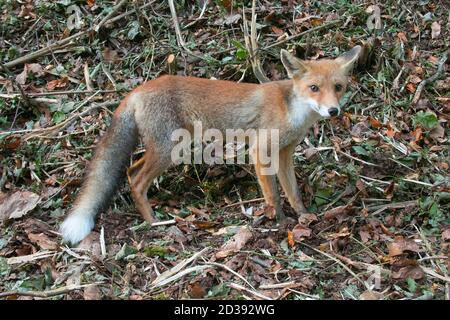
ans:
x=76 y=227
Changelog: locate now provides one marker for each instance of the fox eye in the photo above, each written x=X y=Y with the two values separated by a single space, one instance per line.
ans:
x=338 y=87
x=314 y=88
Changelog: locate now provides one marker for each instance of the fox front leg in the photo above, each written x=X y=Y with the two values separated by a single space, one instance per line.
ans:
x=286 y=175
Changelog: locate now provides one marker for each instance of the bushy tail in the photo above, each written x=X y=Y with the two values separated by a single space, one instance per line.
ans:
x=104 y=175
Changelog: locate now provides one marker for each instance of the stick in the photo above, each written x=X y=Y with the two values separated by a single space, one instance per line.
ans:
x=252 y=46
x=323 y=26
x=431 y=79
x=109 y=15
x=55 y=93
x=356 y=159
x=45 y=294
x=178 y=31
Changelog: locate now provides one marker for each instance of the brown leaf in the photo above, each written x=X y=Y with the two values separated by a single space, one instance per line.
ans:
x=18 y=204
x=435 y=30
x=235 y=243
x=204 y=224
x=365 y=236
x=389 y=191
x=43 y=241
x=411 y=87
x=197 y=291
x=290 y=238
x=414 y=272
x=400 y=245
x=91 y=244
x=300 y=232
x=306 y=219
x=438 y=132
x=370 y=295
x=339 y=213
x=446 y=234
x=375 y=123
x=92 y=293
x=58 y=83
x=110 y=55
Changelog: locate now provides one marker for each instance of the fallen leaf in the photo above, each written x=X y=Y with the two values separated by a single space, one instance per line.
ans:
x=235 y=243
x=338 y=213
x=413 y=272
x=204 y=224
x=300 y=232
x=306 y=219
x=18 y=204
x=446 y=234
x=43 y=241
x=400 y=245
x=370 y=295
x=365 y=236
x=438 y=132
x=92 y=293
x=110 y=55
x=389 y=191
x=375 y=123
x=91 y=244
x=435 y=30
x=58 y=83
x=290 y=238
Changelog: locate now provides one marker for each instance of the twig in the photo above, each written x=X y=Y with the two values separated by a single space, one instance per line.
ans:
x=252 y=45
x=398 y=205
x=253 y=292
x=169 y=274
x=178 y=31
x=341 y=263
x=431 y=79
x=205 y=4
x=356 y=159
x=55 y=93
x=323 y=26
x=109 y=15
x=244 y=202
x=46 y=294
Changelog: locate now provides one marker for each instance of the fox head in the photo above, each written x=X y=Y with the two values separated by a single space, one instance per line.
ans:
x=320 y=84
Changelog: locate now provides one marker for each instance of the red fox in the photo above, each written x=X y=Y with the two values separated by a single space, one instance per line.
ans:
x=156 y=108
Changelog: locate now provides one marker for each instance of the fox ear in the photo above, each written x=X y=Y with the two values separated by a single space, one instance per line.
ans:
x=292 y=65
x=348 y=59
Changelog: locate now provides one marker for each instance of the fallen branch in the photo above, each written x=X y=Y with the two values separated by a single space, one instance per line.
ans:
x=323 y=26
x=431 y=79
x=178 y=31
x=252 y=46
x=109 y=15
x=357 y=159
x=46 y=294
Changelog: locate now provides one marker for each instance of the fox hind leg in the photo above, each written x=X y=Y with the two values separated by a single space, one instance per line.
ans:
x=143 y=172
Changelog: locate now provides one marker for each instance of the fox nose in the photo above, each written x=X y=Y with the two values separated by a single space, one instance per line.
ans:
x=333 y=111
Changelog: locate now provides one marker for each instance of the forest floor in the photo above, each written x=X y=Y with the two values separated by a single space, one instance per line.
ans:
x=375 y=180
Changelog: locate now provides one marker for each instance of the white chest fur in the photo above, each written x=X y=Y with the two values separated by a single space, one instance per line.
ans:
x=302 y=114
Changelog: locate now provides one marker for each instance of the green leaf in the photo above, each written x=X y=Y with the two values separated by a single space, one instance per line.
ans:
x=134 y=30
x=125 y=251
x=153 y=251
x=412 y=285
x=428 y=120
x=360 y=150
x=58 y=116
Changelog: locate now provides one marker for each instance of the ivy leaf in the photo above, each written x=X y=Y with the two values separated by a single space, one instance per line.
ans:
x=428 y=120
